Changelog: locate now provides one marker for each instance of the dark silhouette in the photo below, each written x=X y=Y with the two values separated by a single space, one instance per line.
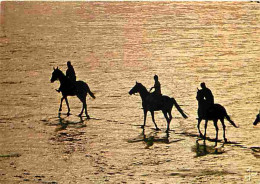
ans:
x=150 y=103
x=215 y=112
x=156 y=96
x=207 y=94
x=257 y=120
x=81 y=90
x=70 y=72
x=157 y=86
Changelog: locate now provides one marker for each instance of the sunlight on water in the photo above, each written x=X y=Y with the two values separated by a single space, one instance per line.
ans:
x=111 y=46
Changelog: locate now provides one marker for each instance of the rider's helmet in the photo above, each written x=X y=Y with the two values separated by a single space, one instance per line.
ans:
x=203 y=85
x=68 y=63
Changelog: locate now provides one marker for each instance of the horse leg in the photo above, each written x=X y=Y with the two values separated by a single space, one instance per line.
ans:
x=170 y=116
x=224 y=129
x=199 y=121
x=145 y=114
x=85 y=107
x=80 y=114
x=68 y=113
x=82 y=98
x=206 y=124
x=152 y=113
x=60 y=109
x=168 y=121
x=85 y=103
x=86 y=111
x=216 y=127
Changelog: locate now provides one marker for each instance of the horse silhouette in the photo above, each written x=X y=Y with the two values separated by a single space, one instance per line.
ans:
x=70 y=88
x=151 y=103
x=214 y=112
x=257 y=120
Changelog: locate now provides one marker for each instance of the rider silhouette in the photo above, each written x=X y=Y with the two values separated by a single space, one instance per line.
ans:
x=156 y=87
x=207 y=94
x=70 y=74
x=157 y=95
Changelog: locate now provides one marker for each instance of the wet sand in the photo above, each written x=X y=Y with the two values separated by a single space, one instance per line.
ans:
x=112 y=45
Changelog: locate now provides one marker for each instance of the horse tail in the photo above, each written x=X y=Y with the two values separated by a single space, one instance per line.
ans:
x=90 y=93
x=179 y=108
x=230 y=121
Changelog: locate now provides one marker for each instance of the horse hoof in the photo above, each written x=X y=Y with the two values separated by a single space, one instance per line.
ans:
x=142 y=126
x=68 y=114
x=79 y=115
x=157 y=129
x=225 y=140
x=88 y=117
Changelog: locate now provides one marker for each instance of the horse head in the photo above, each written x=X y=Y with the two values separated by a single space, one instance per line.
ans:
x=199 y=96
x=257 y=120
x=55 y=74
x=135 y=89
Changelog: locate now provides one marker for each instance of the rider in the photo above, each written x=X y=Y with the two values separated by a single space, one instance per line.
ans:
x=156 y=87
x=157 y=91
x=207 y=94
x=70 y=74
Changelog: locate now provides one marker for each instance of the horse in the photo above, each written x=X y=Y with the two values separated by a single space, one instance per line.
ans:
x=257 y=120
x=215 y=112
x=70 y=88
x=151 y=102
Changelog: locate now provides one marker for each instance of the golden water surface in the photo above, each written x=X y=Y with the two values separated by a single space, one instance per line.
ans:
x=111 y=46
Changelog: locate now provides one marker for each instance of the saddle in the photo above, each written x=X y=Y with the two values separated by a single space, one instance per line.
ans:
x=70 y=88
x=156 y=99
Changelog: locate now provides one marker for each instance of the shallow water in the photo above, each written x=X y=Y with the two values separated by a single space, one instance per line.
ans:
x=112 y=45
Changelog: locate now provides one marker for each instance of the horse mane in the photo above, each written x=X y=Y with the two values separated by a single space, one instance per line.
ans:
x=143 y=87
x=199 y=93
x=59 y=71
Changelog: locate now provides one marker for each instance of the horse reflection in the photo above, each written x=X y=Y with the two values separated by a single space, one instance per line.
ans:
x=151 y=138
x=203 y=149
x=63 y=124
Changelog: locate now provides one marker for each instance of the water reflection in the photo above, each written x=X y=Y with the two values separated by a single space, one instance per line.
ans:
x=63 y=124
x=152 y=138
x=203 y=149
